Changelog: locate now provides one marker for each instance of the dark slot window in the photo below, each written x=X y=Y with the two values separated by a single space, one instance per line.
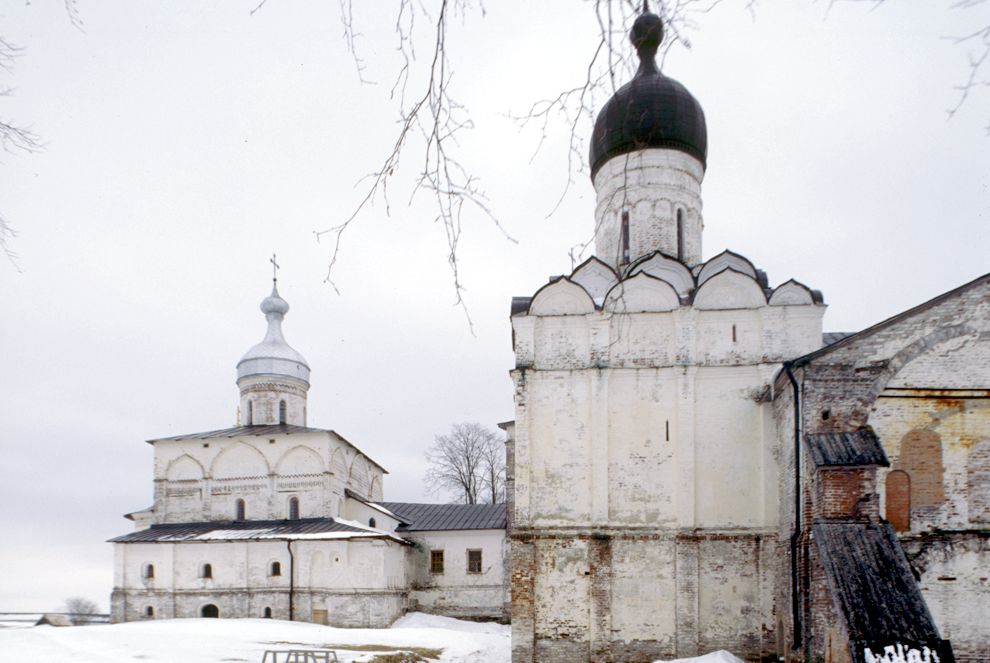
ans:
x=281 y=412
x=239 y=509
x=276 y=569
x=625 y=236
x=293 y=508
x=206 y=571
x=149 y=571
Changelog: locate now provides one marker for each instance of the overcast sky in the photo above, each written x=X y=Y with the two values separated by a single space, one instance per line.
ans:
x=187 y=141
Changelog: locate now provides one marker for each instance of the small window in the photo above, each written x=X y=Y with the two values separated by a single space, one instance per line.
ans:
x=680 y=234
x=281 y=412
x=239 y=510
x=293 y=508
x=149 y=611
x=250 y=413
x=209 y=610
x=371 y=522
x=436 y=561
x=474 y=561
x=276 y=569
x=206 y=571
x=268 y=613
x=149 y=571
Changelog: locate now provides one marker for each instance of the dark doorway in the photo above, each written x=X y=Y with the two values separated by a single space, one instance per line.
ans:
x=210 y=610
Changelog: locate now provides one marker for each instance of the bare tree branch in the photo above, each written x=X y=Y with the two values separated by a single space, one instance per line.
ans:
x=469 y=463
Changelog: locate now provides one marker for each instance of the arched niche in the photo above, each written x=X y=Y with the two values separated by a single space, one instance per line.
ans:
x=595 y=277
x=921 y=457
x=299 y=460
x=239 y=461
x=729 y=289
x=791 y=293
x=726 y=260
x=978 y=482
x=184 y=468
x=666 y=269
x=640 y=294
x=357 y=478
x=898 y=500
x=561 y=297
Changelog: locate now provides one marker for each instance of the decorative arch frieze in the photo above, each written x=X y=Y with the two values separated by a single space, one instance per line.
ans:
x=299 y=460
x=596 y=277
x=729 y=289
x=792 y=293
x=184 y=468
x=642 y=293
x=726 y=259
x=239 y=461
x=561 y=297
x=667 y=269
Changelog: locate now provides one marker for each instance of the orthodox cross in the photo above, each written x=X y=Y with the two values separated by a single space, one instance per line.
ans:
x=275 y=268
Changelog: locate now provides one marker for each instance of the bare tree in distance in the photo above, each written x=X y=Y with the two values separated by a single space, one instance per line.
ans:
x=468 y=463
x=80 y=610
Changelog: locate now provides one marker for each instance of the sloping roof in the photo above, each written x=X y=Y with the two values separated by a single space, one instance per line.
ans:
x=872 y=583
x=828 y=338
x=811 y=356
x=244 y=431
x=434 y=517
x=304 y=528
x=859 y=447
x=371 y=505
x=262 y=431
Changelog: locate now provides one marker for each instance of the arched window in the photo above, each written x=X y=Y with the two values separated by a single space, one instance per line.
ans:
x=276 y=569
x=149 y=611
x=250 y=413
x=268 y=613
x=281 y=412
x=293 y=508
x=898 y=485
x=149 y=571
x=210 y=610
x=371 y=522
x=239 y=509
x=680 y=234
x=206 y=571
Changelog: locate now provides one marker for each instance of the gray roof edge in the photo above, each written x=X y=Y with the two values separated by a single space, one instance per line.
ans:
x=897 y=317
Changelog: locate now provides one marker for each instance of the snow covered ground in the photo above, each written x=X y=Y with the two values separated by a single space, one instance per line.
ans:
x=246 y=640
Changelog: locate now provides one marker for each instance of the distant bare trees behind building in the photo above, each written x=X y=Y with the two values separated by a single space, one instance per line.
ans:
x=468 y=463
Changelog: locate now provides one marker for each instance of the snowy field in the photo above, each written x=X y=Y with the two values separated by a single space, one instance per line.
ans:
x=246 y=640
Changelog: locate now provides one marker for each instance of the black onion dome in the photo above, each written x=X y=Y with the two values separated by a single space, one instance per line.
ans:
x=651 y=110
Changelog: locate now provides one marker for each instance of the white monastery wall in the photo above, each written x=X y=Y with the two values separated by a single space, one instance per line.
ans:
x=456 y=591
x=201 y=479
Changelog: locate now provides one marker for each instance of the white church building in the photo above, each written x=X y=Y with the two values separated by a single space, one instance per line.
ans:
x=273 y=518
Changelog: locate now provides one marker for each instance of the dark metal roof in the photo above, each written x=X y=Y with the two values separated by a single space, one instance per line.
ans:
x=242 y=529
x=244 y=431
x=433 y=517
x=519 y=305
x=649 y=111
x=262 y=431
x=828 y=338
x=872 y=583
x=859 y=447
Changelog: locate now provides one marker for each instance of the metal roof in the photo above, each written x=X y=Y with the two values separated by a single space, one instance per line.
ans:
x=304 y=528
x=859 y=447
x=435 y=517
x=262 y=431
x=872 y=583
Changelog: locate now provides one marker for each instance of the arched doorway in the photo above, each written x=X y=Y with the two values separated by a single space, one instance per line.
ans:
x=210 y=610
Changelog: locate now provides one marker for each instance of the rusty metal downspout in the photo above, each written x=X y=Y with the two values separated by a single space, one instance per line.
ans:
x=292 y=579
x=796 y=533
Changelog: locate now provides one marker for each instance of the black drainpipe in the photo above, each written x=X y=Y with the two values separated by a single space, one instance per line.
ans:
x=796 y=533
x=292 y=579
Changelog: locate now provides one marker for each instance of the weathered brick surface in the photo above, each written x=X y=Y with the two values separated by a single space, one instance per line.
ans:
x=922 y=382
